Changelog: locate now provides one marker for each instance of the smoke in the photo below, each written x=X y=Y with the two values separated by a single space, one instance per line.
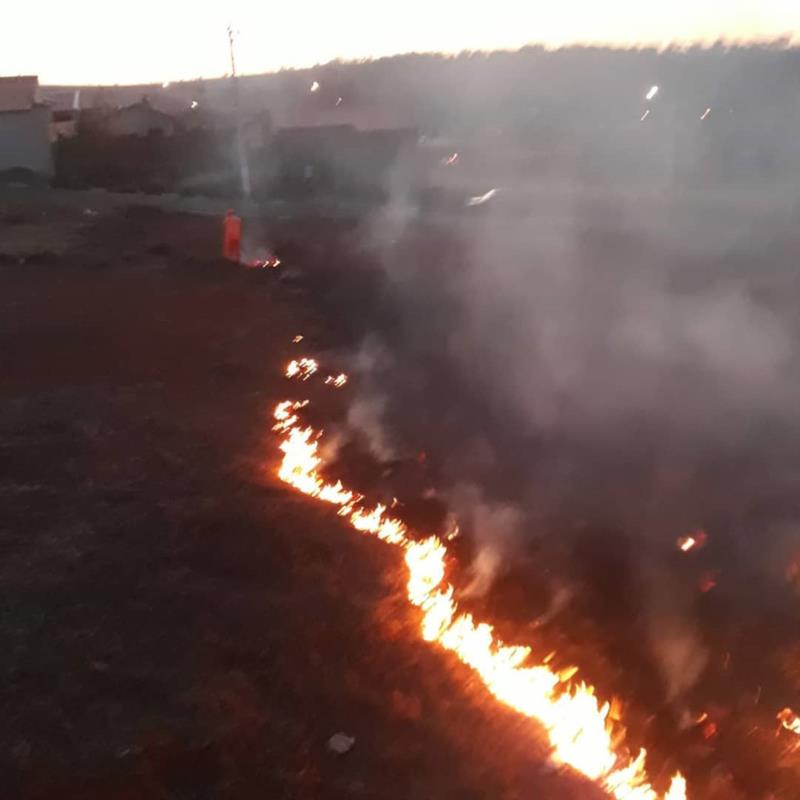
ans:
x=582 y=358
x=366 y=414
x=494 y=528
x=584 y=367
x=680 y=653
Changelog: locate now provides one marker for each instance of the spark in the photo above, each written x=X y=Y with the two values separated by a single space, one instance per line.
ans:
x=693 y=541
x=314 y=87
x=651 y=93
x=644 y=116
x=297 y=339
x=482 y=198
x=581 y=728
x=195 y=104
x=338 y=101
x=705 y=113
x=450 y=160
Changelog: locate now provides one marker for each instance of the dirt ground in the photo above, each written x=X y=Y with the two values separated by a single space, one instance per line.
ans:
x=175 y=623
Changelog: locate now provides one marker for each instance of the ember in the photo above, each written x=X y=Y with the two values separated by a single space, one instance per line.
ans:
x=580 y=727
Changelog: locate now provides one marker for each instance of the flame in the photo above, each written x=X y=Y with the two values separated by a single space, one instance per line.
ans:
x=789 y=720
x=337 y=380
x=304 y=368
x=578 y=724
x=677 y=789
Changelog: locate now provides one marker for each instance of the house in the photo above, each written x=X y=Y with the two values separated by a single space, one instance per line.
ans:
x=24 y=129
x=64 y=124
x=139 y=119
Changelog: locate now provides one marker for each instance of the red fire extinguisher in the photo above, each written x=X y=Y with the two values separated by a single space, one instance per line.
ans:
x=232 y=237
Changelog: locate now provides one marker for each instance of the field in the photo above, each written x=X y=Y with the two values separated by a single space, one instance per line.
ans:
x=179 y=624
x=175 y=622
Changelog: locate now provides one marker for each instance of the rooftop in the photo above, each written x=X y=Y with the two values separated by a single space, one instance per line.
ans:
x=18 y=93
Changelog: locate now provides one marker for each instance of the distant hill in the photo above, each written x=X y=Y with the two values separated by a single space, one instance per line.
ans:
x=475 y=92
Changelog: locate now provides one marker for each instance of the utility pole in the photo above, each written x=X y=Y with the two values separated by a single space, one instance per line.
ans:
x=244 y=169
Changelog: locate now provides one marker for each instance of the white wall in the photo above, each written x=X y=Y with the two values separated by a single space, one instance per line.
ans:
x=25 y=141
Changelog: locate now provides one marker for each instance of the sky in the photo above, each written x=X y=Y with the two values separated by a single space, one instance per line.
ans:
x=97 y=41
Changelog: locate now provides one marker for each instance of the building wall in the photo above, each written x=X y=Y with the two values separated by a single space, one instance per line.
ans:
x=139 y=120
x=63 y=129
x=25 y=141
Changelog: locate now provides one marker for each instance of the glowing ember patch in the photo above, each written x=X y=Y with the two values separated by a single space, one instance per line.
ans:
x=303 y=368
x=579 y=726
x=336 y=381
x=709 y=730
x=707 y=582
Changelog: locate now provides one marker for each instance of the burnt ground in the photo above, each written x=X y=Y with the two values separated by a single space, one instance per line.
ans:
x=174 y=622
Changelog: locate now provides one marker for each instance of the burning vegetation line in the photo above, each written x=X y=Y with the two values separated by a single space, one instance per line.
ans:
x=302 y=368
x=578 y=725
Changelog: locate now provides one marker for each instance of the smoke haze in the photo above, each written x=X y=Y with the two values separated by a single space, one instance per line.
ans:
x=594 y=364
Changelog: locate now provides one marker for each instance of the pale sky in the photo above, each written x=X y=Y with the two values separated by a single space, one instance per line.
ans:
x=108 y=41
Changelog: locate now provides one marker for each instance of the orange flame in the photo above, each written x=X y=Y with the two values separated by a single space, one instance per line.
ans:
x=789 y=720
x=577 y=723
x=336 y=380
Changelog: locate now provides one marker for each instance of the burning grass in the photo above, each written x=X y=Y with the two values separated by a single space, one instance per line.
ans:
x=579 y=726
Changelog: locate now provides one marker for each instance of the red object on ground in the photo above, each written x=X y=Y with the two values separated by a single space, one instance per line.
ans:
x=232 y=237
